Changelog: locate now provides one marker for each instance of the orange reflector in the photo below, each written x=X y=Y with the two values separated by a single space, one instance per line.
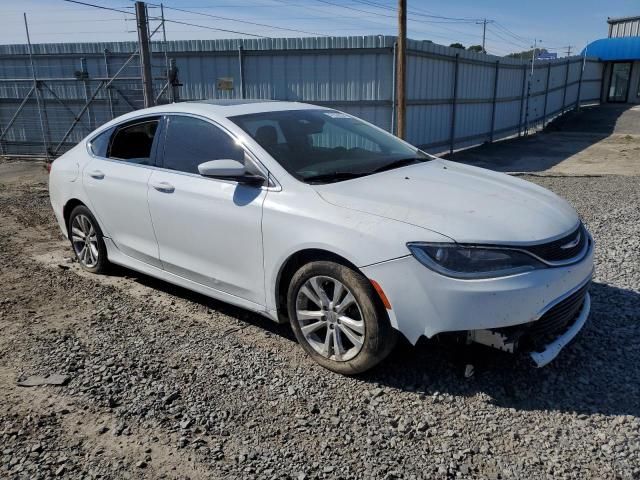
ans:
x=383 y=297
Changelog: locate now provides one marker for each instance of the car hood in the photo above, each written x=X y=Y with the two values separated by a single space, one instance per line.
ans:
x=467 y=204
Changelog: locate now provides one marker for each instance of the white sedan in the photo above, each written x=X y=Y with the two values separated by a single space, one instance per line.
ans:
x=311 y=216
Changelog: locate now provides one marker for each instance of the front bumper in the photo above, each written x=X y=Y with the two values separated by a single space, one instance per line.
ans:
x=550 y=351
x=425 y=303
x=547 y=335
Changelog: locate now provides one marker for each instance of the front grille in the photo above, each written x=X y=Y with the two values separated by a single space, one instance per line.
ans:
x=554 y=322
x=553 y=251
x=557 y=319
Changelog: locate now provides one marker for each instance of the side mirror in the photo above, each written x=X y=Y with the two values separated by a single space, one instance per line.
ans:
x=221 y=168
x=229 y=169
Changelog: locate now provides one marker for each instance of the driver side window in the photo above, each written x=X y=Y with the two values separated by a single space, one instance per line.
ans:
x=190 y=141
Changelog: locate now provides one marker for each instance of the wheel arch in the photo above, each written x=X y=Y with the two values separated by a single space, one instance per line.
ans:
x=291 y=265
x=68 y=208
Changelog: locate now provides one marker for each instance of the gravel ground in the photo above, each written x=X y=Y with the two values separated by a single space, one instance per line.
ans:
x=162 y=382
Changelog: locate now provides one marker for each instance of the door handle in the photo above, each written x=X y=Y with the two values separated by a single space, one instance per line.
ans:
x=164 y=187
x=97 y=174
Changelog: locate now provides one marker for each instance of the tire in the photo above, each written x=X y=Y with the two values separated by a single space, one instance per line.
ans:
x=346 y=329
x=92 y=253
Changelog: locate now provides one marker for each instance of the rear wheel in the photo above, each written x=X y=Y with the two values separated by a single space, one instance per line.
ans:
x=87 y=240
x=338 y=319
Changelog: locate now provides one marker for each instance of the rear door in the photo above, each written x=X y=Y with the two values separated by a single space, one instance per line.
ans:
x=208 y=230
x=116 y=181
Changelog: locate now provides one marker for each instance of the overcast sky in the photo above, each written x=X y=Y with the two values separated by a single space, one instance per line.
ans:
x=558 y=23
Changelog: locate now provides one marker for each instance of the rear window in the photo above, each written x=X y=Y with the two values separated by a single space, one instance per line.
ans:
x=133 y=142
x=100 y=144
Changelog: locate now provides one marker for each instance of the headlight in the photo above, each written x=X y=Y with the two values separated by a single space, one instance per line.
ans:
x=469 y=262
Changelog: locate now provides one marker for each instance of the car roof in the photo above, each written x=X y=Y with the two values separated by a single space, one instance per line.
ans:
x=231 y=101
x=223 y=108
x=228 y=107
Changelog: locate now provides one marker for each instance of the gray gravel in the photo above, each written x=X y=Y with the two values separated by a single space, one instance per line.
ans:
x=166 y=383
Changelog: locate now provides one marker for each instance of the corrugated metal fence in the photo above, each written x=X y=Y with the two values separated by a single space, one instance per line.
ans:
x=455 y=98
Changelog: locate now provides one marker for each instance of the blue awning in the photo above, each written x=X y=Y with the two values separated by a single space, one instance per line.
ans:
x=612 y=49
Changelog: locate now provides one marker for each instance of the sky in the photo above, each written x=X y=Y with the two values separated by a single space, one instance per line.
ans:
x=512 y=26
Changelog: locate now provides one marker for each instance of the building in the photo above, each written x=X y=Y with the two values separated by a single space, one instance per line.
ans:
x=621 y=54
x=624 y=27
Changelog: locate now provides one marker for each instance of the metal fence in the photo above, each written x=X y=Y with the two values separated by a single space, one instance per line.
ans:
x=455 y=98
x=458 y=99
x=47 y=108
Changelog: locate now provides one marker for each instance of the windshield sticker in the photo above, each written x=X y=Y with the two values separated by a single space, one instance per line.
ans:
x=337 y=115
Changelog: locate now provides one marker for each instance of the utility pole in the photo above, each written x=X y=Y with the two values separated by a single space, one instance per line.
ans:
x=484 y=32
x=569 y=47
x=145 y=53
x=484 y=35
x=401 y=67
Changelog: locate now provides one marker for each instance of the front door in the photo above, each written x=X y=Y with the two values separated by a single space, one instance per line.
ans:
x=116 y=180
x=619 y=82
x=208 y=230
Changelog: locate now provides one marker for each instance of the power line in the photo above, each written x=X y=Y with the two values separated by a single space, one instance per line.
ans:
x=443 y=19
x=385 y=24
x=369 y=13
x=512 y=34
x=433 y=19
x=419 y=13
x=40 y=33
x=237 y=20
x=84 y=20
x=430 y=33
x=101 y=7
x=507 y=40
x=166 y=19
x=384 y=7
x=237 y=32
x=355 y=9
x=211 y=6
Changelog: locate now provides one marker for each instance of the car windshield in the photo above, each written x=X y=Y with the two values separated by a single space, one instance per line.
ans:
x=325 y=146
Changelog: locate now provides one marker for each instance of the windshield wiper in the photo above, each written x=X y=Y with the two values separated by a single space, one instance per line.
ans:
x=399 y=163
x=332 y=177
x=339 y=176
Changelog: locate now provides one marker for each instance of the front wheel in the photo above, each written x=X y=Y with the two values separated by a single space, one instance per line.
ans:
x=87 y=240
x=338 y=318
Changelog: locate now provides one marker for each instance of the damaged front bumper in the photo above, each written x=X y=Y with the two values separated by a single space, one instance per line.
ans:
x=548 y=334
x=551 y=350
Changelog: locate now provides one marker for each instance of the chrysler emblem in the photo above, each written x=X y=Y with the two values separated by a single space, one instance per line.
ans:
x=572 y=243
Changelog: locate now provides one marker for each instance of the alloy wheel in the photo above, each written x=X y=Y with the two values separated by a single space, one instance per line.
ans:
x=84 y=240
x=330 y=318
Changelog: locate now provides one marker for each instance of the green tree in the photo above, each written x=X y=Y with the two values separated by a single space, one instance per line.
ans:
x=476 y=48
x=457 y=45
x=527 y=54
